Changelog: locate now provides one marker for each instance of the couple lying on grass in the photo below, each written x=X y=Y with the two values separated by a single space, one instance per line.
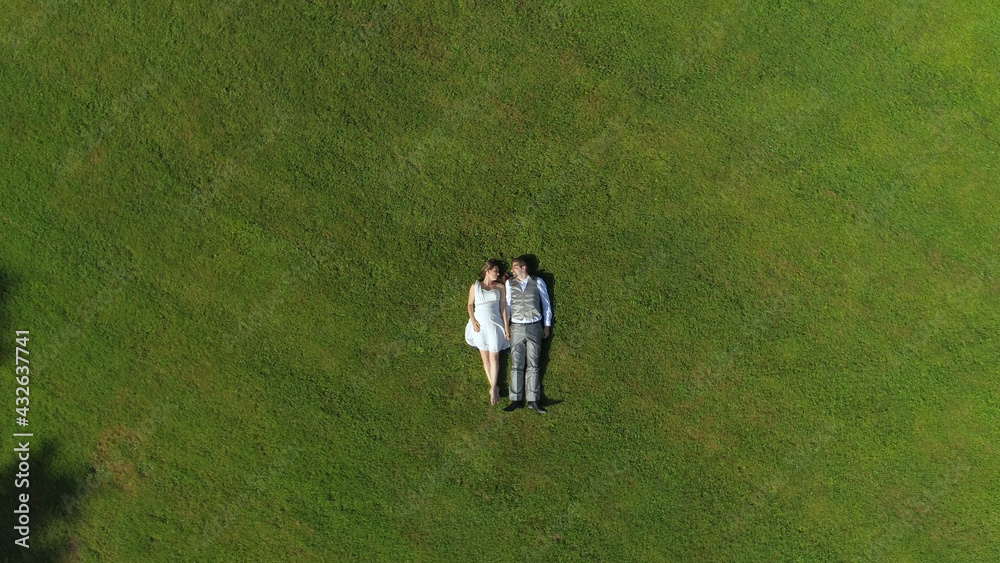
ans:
x=508 y=311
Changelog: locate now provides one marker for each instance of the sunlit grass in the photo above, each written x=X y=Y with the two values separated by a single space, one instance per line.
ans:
x=242 y=237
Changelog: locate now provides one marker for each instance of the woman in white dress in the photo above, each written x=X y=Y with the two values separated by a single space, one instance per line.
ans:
x=487 y=321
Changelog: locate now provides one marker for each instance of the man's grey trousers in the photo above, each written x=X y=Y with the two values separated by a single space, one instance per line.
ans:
x=525 y=348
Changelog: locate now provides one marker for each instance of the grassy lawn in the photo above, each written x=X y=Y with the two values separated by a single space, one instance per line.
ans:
x=242 y=238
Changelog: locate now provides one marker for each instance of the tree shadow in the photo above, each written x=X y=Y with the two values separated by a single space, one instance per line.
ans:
x=51 y=495
x=51 y=499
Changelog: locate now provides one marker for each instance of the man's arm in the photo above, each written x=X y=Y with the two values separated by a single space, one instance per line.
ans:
x=543 y=292
x=506 y=286
x=504 y=313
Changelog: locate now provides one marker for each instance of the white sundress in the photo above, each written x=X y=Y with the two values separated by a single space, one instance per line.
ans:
x=490 y=336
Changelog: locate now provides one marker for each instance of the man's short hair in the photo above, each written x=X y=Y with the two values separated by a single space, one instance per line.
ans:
x=522 y=260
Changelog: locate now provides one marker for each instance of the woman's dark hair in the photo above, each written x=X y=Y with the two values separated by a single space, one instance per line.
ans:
x=490 y=264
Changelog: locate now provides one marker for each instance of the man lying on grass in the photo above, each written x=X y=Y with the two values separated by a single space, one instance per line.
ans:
x=528 y=307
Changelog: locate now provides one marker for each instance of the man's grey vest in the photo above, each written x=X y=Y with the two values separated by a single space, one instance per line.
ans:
x=524 y=305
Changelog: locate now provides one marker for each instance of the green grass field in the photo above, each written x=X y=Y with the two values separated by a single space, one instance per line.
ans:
x=241 y=237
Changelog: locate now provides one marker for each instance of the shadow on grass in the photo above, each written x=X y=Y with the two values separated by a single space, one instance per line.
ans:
x=503 y=377
x=50 y=499
x=50 y=495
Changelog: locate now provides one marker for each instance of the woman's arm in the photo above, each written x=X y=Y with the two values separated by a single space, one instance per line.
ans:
x=503 y=311
x=472 y=307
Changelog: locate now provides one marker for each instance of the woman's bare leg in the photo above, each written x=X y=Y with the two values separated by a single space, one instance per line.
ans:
x=485 y=354
x=494 y=375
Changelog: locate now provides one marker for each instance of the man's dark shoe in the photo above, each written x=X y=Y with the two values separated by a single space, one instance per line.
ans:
x=536 y=407
x=514 y=405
